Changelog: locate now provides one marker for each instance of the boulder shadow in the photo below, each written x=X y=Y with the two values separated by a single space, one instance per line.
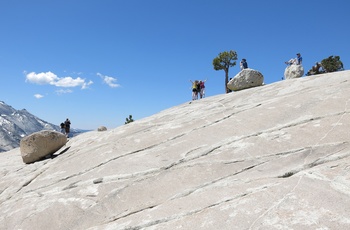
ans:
x=54 y=155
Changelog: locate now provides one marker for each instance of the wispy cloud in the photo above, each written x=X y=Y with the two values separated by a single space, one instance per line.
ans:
x=86 y=84
x=50 y=78
x=111 y=81
x=38 y=96
x=64 y=91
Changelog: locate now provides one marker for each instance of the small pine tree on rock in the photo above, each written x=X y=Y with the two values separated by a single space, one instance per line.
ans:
x=332 y=64
x=129 y=120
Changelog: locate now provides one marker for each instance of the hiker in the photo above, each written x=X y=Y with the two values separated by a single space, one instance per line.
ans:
x=63 y=128
x=195 y=89
x=67 y=127
x=295 y=61
x=243 y=64
x=202 y=88
x=315 y=69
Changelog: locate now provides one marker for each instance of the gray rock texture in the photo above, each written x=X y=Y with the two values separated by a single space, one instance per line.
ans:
x=102 y=128
x=245 y=79
x=293 y=71
x=272 y=157
x=40 y=144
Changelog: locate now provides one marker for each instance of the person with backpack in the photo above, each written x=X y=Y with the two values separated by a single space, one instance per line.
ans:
x=195 y=89
x=295 y=61
x=243 y=64
x=67 y=126
x=63 y=128
x=202 y=88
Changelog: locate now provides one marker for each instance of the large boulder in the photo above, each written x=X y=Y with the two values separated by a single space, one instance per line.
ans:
x=39 y=144
x=245 y=79
x=102 y=128
x=293 y=71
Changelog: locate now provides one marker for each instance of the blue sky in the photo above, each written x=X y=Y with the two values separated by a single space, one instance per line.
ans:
x=98 y=61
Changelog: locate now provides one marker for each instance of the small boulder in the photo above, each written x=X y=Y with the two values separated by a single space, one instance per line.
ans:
x=102 y=128
x=293 y=71
x=245 y=79
x=39 y=144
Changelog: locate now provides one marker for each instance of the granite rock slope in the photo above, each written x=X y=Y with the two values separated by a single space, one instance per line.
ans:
x=269 y=157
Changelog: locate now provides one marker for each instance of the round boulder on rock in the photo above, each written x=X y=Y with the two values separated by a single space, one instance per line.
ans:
x=293 y=71
x=102 y=128
x=40 y=144
x=245 y=79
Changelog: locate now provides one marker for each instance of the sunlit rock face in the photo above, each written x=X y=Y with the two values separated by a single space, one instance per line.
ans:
x=293 y=71
x=245 y=79
x=272 y=157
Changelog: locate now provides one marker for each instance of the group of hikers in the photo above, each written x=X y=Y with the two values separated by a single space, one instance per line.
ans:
x=198 y=88
x=65 y=127
x=316 y=69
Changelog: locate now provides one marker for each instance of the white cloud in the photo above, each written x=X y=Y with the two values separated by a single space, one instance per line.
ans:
x=109 y=80
x=68 y=82
x=41 y=78
x=38 y=96
x=52 y=79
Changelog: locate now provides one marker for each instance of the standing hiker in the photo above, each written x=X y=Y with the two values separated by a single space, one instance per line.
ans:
x=195 y=89
x=202 y=88
x=63 y=128
x=67 y=127
x=243 y=64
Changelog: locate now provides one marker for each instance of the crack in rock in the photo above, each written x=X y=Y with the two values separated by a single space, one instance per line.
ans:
x=319 y=161
x=189 y=192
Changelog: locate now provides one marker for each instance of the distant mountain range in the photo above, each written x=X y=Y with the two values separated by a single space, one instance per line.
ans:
x=16 y=124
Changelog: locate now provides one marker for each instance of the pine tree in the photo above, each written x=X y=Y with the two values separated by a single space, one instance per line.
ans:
x=129 y=120
x=224 y=61
x=332 y=64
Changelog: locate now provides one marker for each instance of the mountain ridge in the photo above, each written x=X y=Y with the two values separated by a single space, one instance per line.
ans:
x=15 y=124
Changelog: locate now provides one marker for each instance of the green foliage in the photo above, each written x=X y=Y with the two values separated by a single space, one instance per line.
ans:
x=332 y=64
x=129 y=120
x=224 y=61
x=288 y=174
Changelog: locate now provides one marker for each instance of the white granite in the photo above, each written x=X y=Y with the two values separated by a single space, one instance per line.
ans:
x=269 y=157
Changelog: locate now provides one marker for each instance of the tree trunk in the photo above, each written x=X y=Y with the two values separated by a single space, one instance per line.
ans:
x=226 y=81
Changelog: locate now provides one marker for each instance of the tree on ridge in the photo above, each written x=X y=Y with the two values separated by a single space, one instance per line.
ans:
x=332 y=64
x=224 y=61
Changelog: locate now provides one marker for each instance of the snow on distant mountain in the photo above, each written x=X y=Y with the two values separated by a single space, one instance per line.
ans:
x=15 y=124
